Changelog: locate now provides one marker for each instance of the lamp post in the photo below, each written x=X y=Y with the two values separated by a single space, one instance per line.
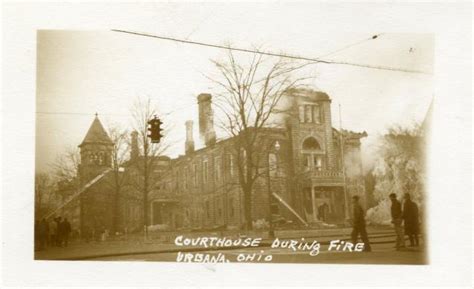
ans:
x=271 y=232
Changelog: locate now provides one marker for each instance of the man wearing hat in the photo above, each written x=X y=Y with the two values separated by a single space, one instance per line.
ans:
x=396 y=212
x=358 y=224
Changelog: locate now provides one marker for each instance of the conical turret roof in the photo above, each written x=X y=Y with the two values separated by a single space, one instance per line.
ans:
x=96 y=134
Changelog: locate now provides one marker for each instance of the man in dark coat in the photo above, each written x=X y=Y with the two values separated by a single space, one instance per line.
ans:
x=410 y=217
x=358 y=224
x=396 y=211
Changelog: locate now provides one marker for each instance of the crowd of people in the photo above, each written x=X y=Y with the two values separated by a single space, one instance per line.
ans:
x=52 y=233
x=405 y=220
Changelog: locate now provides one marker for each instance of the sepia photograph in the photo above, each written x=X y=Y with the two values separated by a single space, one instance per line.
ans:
x=248 y=134
x=177 y=150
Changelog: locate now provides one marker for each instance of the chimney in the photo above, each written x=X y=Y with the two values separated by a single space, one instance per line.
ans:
x=134 y=146
x=206 y=119
x=189 y=144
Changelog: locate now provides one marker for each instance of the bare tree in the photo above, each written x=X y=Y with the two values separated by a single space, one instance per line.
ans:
x=248 y=98
x=119 y=137
x=142 y=112
x=66 y=171
x=66 y=166
x=44 y=193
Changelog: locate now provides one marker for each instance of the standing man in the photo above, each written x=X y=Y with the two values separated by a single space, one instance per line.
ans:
x=358 y=224
x=410 y=217
x=396 y=211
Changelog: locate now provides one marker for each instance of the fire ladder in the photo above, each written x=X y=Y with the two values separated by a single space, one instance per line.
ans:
x=79 y=192
x=290 y=208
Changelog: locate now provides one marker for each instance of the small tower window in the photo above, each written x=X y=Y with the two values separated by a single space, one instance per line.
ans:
x=93 y=157
x=90 y=157
x=101 y=158
x=310 y=114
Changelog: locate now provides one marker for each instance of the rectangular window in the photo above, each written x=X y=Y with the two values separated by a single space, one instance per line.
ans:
x=244 y=162
x=307 y=160
x=231 y=165
x=177 y=180
x=185 y=178
x=318 y=162
x=217 y=168
x=308 y=115
x=205 y=171
x=195 y=172
x=301 y=113
x=317 y=114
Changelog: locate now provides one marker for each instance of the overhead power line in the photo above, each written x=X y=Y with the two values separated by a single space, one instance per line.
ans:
x=315 y=60
x=350 y=45
x=176 y=109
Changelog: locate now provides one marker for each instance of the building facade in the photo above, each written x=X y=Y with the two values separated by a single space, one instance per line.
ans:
x=305 y=175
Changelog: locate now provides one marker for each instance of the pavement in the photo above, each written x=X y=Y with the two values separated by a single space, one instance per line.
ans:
x=164 y=249
x=381 y=254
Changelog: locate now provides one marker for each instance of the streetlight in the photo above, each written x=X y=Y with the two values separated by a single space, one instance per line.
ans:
x=271 y=232
x=277 y=146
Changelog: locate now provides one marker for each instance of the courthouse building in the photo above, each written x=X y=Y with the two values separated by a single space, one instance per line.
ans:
x=307 y=177
x=302 y=171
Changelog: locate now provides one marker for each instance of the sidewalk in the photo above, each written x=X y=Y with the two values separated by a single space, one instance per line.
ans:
x=165 y=243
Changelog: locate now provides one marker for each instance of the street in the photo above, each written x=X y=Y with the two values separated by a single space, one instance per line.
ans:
x=383 y=252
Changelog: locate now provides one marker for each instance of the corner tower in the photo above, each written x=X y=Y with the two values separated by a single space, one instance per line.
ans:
x=96 y=151
x=311 y=130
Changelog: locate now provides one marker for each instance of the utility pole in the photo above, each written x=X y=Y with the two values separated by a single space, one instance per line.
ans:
x=271 y=233
x=154 y=133
x=341 y=142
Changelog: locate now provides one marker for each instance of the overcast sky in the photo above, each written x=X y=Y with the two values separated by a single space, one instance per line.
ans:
x=84 y=72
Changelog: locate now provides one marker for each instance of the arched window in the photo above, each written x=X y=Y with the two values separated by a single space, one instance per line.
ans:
x=311 y=144
x=312 y=158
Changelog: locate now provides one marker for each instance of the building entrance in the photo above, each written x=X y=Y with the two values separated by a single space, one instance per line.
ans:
x=324 y=204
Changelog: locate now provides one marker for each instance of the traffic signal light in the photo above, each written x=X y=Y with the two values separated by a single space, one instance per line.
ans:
x=154 y=128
